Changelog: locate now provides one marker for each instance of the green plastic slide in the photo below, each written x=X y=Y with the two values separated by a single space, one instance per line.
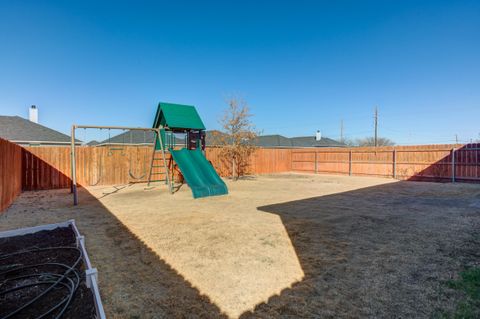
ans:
x=199 y=173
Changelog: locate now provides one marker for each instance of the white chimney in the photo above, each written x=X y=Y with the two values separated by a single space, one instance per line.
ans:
x=33 y=114
x=318 y=136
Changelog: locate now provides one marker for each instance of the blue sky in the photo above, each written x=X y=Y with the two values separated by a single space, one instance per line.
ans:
x=301 y=66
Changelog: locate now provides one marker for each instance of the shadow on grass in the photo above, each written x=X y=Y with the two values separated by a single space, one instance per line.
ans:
x=134 y=281
x=466 y=166
x=375 y=252
x=381 y=251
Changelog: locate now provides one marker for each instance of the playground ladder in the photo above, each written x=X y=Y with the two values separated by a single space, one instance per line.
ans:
x=154 y=163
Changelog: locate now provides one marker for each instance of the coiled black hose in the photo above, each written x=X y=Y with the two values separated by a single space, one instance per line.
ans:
x=67 y=277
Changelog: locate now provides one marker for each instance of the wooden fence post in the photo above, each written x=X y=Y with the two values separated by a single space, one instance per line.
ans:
x=316 y=167
x=350 y=163
x=291 y=159
x=394 y=163
x=453 y=165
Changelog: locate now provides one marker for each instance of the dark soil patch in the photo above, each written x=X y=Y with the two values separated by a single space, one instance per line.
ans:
x=36 y=268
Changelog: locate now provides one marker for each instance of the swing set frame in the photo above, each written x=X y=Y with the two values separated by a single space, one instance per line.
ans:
x=158 y=138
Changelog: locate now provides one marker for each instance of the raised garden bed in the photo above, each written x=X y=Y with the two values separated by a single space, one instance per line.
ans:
x=45 y=273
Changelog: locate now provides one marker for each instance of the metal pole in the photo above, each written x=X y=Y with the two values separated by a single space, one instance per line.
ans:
x=350 y=163
x=453 y=165
x=394 y=163
x=73 y=167
x=316 y=167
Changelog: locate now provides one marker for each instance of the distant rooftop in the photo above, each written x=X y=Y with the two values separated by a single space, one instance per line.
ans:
x=133 y=137
x=310 y=141
x=22 y=131
x=212 y=139
x=280 y=141
x=93 y=143
x=300 y=141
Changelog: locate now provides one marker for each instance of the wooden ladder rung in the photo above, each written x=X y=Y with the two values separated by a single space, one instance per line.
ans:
x=159 y=155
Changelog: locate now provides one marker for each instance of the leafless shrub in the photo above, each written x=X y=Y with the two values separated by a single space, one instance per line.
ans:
x=238 y=137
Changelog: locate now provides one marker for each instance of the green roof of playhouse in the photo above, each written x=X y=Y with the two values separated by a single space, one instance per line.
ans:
x=178 y=116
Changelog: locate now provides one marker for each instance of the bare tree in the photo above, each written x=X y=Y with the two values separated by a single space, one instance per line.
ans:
x=349 y=142
x=238 y=136
x=370 y=141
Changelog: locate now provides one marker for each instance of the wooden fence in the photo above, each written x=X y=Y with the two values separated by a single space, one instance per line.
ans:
x=263 y=161
x=49 y=167
x=10 y=172
x=424 y=162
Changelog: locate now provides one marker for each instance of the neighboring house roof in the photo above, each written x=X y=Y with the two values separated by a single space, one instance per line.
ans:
x=273 y=141
x=310 y=141
x=135 y=137
x=302 y=141
x=142 y=137
x=93 y=143
x=215 y=137
x=18 y=129
x=177 y=116
x=131 y=137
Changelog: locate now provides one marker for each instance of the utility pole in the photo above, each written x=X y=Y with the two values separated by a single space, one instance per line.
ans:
x=456 y=138
x=376 y=126
x=341 y=131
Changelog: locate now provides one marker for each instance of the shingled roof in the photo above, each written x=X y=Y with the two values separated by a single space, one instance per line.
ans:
x=302 y=141
x=135 y=137
x=93 y=143
x=310 y=141
x=19 y=130
x=279 y=141
x=213 y=138
x=273 y=141
x=131 y=137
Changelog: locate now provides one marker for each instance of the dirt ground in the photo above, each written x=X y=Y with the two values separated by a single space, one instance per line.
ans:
x=287 y=246
x=33 y=260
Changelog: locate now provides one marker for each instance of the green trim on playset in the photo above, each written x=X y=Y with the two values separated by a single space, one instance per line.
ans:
x=177 y=117
x=200 y=175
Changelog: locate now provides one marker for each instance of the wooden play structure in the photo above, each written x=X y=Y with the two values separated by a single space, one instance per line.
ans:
x=171 y=120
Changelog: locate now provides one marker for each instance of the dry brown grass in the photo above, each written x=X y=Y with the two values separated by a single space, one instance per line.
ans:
x=277 y=246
